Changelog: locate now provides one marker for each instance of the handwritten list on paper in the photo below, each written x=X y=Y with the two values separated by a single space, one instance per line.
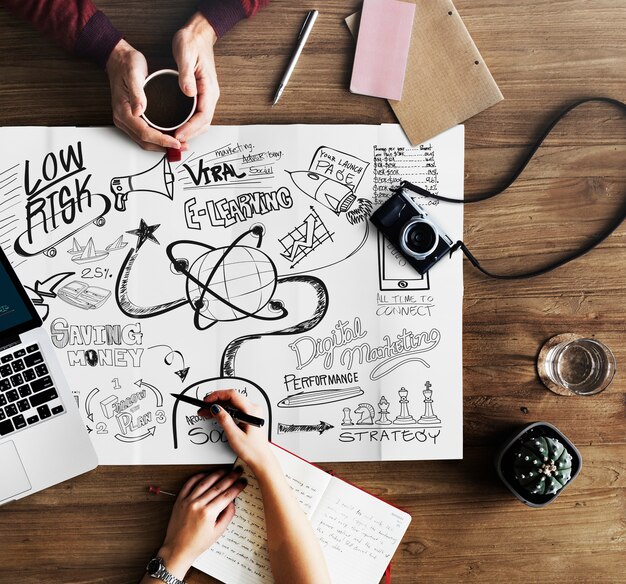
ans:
x=358 y=533
x=393 y=164
x=415 y=164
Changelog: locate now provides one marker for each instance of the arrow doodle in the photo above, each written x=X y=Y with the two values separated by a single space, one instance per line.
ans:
x=169 y=360
x=91 y=395
x=44 y=289
x=123 y=438
x=157 y=393
x=287 y=428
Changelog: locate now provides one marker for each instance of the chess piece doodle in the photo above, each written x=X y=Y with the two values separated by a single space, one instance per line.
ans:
x=383 y=407
x=429 y=418
x=347 y=420
x=367 y=414
x=405 y=417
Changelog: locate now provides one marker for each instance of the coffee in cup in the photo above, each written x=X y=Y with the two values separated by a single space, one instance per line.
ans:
x=168 y=107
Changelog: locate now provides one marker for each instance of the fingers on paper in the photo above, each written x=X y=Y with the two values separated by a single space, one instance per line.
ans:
x=190 y=484
x=148 y=135
x=225 y=420
x=218 y=497
x=207 y=482
x=224 y=499
x=236 y=400
x=224 y=518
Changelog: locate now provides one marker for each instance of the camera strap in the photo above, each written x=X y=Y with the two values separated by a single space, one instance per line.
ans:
x=596 y=240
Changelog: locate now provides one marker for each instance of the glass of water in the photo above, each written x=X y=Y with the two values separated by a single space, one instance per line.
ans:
x=575 y=364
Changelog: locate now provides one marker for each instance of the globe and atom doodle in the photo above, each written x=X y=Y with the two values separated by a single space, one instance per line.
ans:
x=245 y=277
x=228 y=283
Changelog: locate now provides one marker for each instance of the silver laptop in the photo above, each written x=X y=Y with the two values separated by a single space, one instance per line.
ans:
x=43 y=440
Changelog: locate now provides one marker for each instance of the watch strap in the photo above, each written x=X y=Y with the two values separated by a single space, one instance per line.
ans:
x=163 y=575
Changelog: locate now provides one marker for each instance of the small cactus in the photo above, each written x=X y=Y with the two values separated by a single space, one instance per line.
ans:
x=542 y=466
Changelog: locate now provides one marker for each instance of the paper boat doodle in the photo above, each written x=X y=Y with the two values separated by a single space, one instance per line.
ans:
x=119 y=243
x=76 y=248
x=90 y=254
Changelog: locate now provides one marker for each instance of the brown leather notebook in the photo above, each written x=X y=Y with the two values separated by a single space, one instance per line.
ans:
x=447 y=81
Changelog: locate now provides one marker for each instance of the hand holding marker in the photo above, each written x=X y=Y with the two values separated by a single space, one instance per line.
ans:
x=234 y=413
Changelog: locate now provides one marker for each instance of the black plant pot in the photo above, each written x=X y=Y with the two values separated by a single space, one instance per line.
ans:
x=505 y=459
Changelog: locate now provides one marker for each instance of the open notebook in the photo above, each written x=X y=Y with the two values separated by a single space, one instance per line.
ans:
x=358 y=532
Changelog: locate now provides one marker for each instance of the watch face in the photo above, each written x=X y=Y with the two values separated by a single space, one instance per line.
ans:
x=153 y=566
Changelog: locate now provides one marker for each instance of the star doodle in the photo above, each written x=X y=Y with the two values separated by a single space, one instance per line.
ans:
x=145 y=232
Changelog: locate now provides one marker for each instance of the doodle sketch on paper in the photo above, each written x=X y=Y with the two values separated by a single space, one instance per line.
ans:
x=250 y=265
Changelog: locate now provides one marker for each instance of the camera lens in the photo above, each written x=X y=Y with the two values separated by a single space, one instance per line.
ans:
x=419 y=238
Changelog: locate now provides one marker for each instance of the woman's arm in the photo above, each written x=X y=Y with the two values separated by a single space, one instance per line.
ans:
x=294 y=550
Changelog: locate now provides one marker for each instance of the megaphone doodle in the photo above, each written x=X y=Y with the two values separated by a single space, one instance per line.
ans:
x=157 y=179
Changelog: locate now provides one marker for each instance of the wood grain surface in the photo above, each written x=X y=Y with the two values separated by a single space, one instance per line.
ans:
x=104 y=527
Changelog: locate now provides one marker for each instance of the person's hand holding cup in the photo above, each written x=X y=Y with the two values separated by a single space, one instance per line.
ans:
x=168 y=108
x=164 y=110
x=127 y=70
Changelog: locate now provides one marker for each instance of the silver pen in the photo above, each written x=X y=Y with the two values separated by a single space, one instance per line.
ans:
x=309 y=21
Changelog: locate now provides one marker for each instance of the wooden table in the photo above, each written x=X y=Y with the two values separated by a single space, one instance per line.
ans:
x=466 y=527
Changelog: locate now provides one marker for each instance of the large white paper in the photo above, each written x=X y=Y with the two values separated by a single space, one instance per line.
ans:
x=249 y=265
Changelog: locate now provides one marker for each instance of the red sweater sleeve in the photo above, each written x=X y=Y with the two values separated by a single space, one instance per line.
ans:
x=76 y=25
x=224 y=14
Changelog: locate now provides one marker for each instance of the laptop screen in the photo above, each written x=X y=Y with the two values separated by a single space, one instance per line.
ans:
x=17 y=314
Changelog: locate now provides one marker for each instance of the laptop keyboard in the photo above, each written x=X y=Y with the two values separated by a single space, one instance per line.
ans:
x=27 y=392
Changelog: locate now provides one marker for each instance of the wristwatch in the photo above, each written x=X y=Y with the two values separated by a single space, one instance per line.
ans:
x=156 y=569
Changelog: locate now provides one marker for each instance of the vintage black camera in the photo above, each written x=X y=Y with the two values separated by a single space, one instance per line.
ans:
x=407 y=226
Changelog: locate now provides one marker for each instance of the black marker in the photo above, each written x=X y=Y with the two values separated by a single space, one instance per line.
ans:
x=234 y=413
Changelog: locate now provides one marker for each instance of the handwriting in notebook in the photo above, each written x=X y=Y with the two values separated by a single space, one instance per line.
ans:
x=358 y=532
x=343 y=524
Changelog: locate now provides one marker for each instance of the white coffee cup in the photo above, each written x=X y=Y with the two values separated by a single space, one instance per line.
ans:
x=160 y=74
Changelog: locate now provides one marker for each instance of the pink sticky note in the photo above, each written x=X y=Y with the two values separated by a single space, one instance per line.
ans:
x=382 y=48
